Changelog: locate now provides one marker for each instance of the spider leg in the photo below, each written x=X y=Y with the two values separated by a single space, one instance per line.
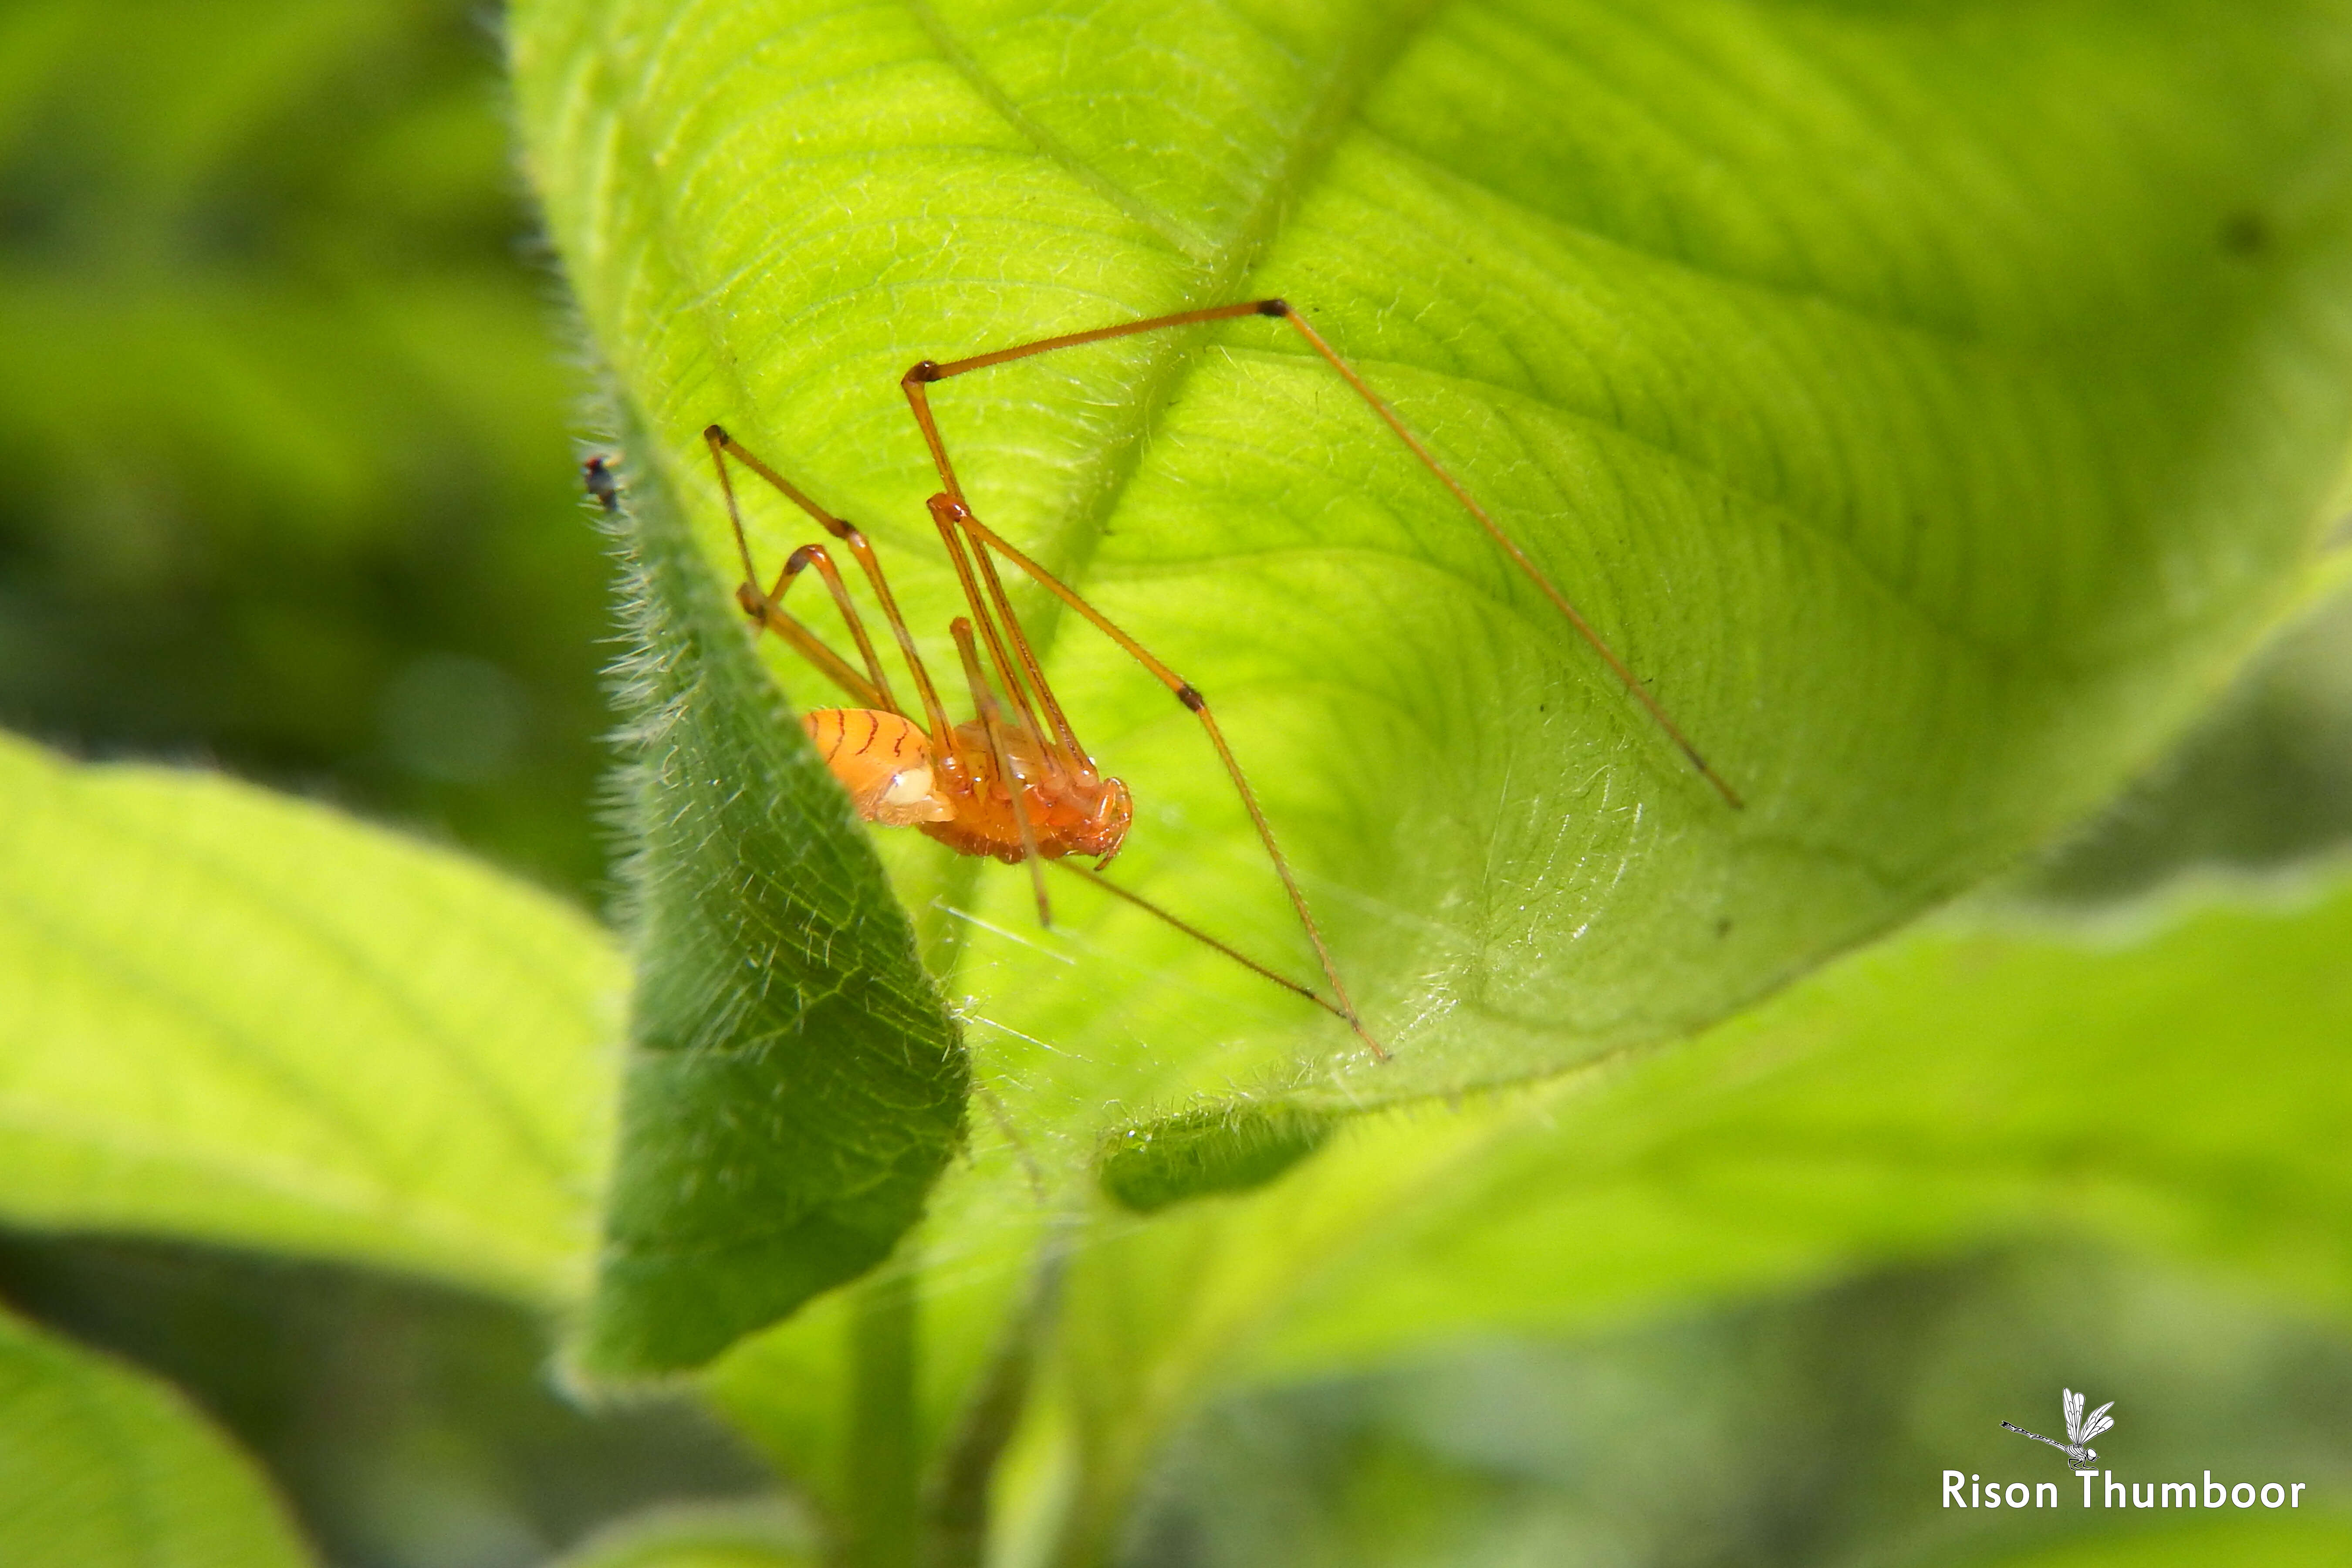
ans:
x=1508 y=546
x=800 y=560
x=1190 y=696
x=923 y=375
x=724 y=447
x=958 y=557
x=767 y=612
x=991 y=721
x=1203 y=938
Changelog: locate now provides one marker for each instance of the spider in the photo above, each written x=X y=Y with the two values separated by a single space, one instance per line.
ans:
x=1014 y=782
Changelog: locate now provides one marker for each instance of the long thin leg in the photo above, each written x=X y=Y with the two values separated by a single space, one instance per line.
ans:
x=1005 y=670
x=800 y=560
x=916 y=383
x=1203 y=938
x=1510 y=547
x=916 y=380
x=768 y=611
x=1077 y=754
x=992 y=725
x=765 y=610
x=723 y=447
x=1190 y=696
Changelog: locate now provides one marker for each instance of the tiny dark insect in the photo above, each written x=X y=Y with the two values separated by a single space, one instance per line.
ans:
x=1013 y=782
x=602 y=486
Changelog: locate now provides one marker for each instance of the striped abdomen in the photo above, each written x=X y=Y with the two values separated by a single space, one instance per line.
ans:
x=884 y=763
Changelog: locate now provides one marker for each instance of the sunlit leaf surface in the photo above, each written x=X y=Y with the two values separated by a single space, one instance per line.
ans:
x=233 y=1015
x=1928 y=402
x=103 y=1467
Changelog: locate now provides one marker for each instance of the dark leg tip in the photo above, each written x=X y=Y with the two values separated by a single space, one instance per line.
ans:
x=715 y=433
x=1274 y=307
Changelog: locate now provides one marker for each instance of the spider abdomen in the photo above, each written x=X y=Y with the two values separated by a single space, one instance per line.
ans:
x=884 y=763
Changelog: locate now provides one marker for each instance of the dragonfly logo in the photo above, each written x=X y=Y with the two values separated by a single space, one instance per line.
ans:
x=2101 y=1488
x=2080 y=1429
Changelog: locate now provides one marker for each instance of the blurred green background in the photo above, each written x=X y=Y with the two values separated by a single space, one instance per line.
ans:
x=286 y=413
x=289 y=488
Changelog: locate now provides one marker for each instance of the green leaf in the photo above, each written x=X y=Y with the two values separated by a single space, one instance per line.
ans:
x=1216 y=1150
x=795 y=1086
x=1929 y=402
x=243 y=1018
x=2185 y=1094
x=101 y=1466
